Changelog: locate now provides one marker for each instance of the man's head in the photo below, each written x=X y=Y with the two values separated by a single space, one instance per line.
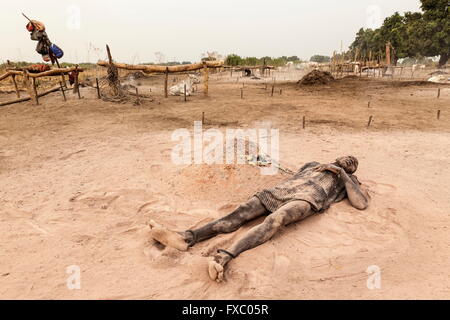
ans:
x=348 y=163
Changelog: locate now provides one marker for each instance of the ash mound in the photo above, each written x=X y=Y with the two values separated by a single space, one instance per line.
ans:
x=316 y=77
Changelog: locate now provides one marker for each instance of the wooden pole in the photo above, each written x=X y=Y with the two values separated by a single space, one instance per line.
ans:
x=77 y=84
x=26 y=79
x=29 y=98
x=242 y=93
x=273 y=89
x=62 y=90
x=388 y=54
x=15 y=85
x=108 y=51
x=438 y=95
x=304 y=122
x=166 y=80
x=162 y=69
x=438 y=114
x=98 y=89
x=185 y=94
x=203 y=117
x=370 y=121
x=35 y=94
x=206 y=79
x=138 y=101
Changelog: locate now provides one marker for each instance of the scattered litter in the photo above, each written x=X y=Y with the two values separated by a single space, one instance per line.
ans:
x=440 y=79
x=178 y=89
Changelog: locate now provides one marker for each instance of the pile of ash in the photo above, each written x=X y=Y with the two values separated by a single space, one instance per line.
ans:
x=316 y=77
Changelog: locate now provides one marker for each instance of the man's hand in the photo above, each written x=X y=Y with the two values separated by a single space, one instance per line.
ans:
x=329 y=167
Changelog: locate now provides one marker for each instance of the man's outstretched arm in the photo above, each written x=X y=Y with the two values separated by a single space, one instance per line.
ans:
x=358 y=198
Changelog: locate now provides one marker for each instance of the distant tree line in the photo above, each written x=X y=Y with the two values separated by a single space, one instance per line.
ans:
x=412 y=35
x=320 y=59
x=235 y=60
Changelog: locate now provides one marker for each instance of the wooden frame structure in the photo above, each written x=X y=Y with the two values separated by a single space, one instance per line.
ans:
x=166 y=70
x=30 y=80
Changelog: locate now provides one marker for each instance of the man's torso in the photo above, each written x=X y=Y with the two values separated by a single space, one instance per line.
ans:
x=319 y=189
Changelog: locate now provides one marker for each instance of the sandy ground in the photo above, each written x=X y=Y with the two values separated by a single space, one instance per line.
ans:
x=80 y=180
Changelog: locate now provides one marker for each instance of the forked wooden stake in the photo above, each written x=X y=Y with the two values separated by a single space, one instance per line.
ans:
x=77 y=83
x=98 y=88
x=35 y=94
x=15 y=86
x=138 y=101
x=206 y=79
x=62 y=91
x=166 y=80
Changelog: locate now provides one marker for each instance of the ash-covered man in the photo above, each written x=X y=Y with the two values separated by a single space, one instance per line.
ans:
x=311 y=190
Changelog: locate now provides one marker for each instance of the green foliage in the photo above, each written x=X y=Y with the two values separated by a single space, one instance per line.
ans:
x=235 y=60
x=413 y=34
x=436 y=29
x=320 y=59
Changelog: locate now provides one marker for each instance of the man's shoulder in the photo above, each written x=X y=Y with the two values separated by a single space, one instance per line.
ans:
x=308 y=166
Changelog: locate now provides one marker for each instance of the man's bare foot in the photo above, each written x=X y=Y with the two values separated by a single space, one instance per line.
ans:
x=215 y=271
x=217 y=265
x=167 y=237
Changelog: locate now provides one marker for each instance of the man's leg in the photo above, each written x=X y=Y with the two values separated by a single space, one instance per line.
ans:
x=182 y=240
x=230 y=223
x=289 y=213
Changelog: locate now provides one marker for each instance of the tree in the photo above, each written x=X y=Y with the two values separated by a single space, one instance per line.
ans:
x=413 y=34
x=368 y=42
x=320 y=59
x=251 y=61
x=233 y=60
x=436 y=29
x=293 y=59
x=393 y=30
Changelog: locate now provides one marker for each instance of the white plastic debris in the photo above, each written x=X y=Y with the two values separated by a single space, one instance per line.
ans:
x=440 y=79
x=178 y=89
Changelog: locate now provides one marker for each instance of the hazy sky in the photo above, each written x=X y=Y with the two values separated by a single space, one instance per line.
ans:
x=183 y=30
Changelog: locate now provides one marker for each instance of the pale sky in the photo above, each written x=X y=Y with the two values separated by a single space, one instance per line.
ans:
x=184 y=29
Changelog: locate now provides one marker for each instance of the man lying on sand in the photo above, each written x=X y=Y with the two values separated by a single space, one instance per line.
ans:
x=311 y=190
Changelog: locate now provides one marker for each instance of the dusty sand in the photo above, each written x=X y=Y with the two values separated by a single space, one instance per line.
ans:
x=80 y=180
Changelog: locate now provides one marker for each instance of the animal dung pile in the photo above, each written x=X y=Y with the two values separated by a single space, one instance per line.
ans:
x=316 y=77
